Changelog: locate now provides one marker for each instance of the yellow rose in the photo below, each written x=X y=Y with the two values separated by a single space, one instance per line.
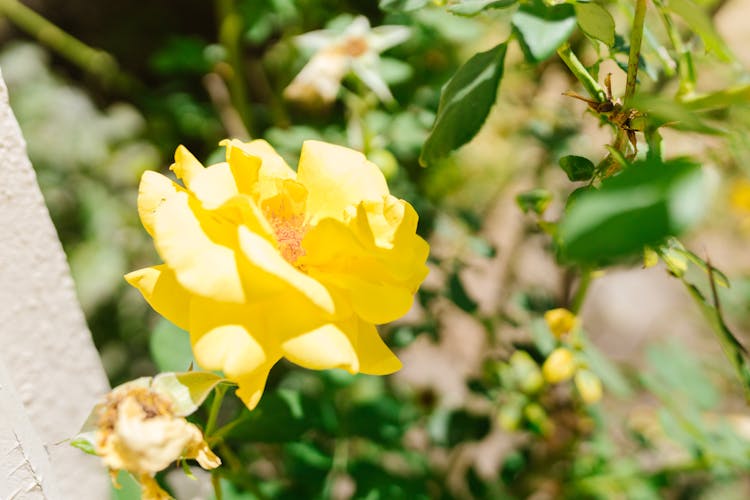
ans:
x=262 y=262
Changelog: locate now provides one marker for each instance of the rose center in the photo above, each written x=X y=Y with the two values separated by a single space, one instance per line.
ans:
x=289 y=232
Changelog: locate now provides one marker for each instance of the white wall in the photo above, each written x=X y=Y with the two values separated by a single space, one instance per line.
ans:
x=50 y=373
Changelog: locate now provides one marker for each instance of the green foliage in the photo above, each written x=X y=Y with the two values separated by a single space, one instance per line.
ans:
x=643 y=205
x=596 y=22
x=542 y=28
x=465 y=103
x=577 y=168
x=473 y=377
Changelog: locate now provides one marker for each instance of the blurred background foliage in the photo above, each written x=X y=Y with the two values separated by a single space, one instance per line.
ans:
x=635 y=400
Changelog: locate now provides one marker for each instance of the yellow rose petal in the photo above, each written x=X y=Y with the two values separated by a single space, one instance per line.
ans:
x=222 y=341
x=375 y=358
x=185 y=165
x=153 y=190
x=250 y=386
x=161 y=290
x=337 y=178
x=187 y=238
x=273 y=165
x=323 y=348
x=214 y=185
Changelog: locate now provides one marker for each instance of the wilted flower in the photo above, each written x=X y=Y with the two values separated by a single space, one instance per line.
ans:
x=356 y=49
x=140 y=428
x=263 y=262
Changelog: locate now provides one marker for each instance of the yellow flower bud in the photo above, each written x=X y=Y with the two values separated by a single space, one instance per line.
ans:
x=650 y=257
x=589 y=386
x=559 y=366
x=560 y=321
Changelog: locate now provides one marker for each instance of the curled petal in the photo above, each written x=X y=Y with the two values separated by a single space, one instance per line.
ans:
x=185 y=166
x=375 y=358
x=153 y=190
x=163 y=292
x=214 y=185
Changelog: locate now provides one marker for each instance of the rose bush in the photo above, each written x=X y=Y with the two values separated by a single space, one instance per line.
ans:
x=262 y=262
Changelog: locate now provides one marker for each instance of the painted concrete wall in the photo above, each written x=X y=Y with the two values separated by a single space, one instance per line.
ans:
x=50 y=373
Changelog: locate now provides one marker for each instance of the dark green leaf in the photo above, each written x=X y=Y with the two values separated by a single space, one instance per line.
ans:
x=457 y=294
x=474 y=7
x=464 y=426
x=577 y=168
x=280 y=416
x=543 y=28
x=535 y=200
x=596 y=22
x=643 y=205
x=465 y=102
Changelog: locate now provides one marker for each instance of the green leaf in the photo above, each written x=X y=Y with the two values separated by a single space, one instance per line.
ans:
x=465 y=102
x=543 y=28
x=457 y=294
x=280 y=416
x=129 y=487
x=701 y=24
x=733 y=349
x=85 y=442
x=577 y=168
x=534 y=200
x=737 y=95
x=402 y=5
x=474 y=7
x=596 y=22
x=187 y=390
x=170 y=347
x=665 y=113
x=641 y=206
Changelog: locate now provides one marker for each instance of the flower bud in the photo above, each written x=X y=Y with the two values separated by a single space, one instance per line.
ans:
x=559 y=366
x=589 y=386
x=560 y=321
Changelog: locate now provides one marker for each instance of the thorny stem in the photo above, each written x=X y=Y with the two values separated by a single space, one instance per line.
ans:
x=636 y=37
x=93 y=61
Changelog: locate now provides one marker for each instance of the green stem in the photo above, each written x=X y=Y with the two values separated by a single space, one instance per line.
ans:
x=222 y=431
x=230 y=37
x=636 y=38
x=213 y=412
x=581 y=73
x=93 y=61
x=684 y=57
x=580 y=296
x=216 y=483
